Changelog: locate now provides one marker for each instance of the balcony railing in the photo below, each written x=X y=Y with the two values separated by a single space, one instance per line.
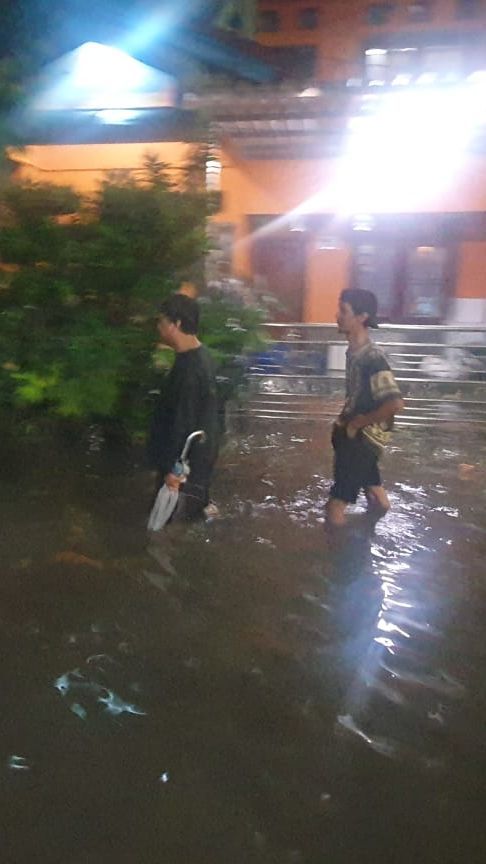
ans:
x=441 y=371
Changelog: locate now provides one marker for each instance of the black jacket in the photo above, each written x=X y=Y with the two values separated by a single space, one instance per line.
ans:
x=188 y=402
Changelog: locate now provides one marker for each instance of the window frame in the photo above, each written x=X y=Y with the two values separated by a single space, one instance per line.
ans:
x=271 y=13
x=420 y=12
x=386 y=10
x=419 y=56
x=306 y=27
x=461 y=12
x=403 y=249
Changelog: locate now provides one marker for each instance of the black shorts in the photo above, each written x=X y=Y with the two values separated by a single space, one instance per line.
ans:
x=193 y=498
x=355 y=466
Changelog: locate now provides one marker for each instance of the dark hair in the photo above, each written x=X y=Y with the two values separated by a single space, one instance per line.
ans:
x=362 y=302
x=179 y=308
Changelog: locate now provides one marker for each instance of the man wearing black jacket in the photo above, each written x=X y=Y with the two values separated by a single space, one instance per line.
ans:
x=188 y=402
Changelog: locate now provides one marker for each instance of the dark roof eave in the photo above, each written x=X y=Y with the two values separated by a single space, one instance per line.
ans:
x=85 y=127
x=229 y=53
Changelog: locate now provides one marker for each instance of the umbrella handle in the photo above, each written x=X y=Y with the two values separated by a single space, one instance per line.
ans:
x=189 y=441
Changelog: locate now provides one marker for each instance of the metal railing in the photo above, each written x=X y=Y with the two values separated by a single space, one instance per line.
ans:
x=441 y=370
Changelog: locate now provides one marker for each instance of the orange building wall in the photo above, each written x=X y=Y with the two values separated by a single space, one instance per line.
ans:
x=327 y=275
x=278 y=186
x=261 y=188
x=84 y=166
x=471 y=271
x=273 y=188
x=290 y=32
x=340 y=39
x=343 y=29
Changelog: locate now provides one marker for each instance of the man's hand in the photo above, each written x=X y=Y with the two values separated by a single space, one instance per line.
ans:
x=385 y=412
x=173 y=481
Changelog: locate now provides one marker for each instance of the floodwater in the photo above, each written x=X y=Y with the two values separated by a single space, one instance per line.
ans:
x=249 y=689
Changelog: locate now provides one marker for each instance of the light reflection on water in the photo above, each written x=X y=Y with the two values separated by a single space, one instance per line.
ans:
x=289 y=684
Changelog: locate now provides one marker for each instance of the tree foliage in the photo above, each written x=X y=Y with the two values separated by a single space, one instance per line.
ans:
x=80 y=282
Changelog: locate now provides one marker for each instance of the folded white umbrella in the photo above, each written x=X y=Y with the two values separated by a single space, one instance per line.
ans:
x=164 y=506
x=166 y=500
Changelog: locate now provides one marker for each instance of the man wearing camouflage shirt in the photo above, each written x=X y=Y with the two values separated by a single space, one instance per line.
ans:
x=364 y=426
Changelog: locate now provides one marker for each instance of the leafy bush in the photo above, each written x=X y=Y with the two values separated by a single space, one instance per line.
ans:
x=79 y=287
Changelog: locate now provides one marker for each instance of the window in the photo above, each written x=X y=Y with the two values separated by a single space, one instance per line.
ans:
x=466 y=9
x=235 y=22
x=426 y=65
x=300 y=59
x=394 y=66
x=419 y=11
x=375 y=270
x=444 y=63
x=425 y=280
x=410 y=281
x=269 y=21
x=308 y=18
x=379 y=14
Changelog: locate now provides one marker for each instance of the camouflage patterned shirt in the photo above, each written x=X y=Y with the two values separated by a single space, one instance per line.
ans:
x=369 y=384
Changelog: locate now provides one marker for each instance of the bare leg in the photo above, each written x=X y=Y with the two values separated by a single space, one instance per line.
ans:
x=378 y=501
x=336 y=512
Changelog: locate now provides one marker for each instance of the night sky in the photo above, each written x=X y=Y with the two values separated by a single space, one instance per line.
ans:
x=35 y=31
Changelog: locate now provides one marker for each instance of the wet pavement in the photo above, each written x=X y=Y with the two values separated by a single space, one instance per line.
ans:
x=248 y=689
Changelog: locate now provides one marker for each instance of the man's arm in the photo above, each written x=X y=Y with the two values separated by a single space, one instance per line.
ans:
x=184 y=421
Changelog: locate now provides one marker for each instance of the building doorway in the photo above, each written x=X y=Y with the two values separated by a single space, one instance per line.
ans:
x=278 y=266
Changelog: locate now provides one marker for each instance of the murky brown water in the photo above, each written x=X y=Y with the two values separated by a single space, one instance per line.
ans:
x=246 y=691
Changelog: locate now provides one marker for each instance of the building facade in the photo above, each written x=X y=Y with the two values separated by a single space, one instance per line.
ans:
x=383 y=174
x=364 y=165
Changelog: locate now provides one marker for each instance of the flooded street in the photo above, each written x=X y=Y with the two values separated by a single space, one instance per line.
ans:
x=249 y=689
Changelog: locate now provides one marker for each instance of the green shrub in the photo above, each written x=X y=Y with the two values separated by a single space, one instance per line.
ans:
x=78 y=300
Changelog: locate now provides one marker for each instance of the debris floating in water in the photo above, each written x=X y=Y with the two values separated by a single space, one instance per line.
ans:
x=165 y=777
x=465 y=471
x=18 y=763
x=69 y=557
x=67 y=680
x=79 y=711
x=116 y=705
x=75 y=682
x=379 y=745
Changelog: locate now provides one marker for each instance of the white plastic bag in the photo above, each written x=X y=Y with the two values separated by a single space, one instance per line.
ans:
x=164 y=506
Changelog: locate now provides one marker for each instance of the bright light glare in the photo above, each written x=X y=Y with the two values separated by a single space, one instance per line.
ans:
x=116 y=116
x=213 y=175
x=401 y=80
x=400 y=155
x=99 y=77
x=478 y=77
x=426 y=79
x=407 y=147
x=102 y=65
